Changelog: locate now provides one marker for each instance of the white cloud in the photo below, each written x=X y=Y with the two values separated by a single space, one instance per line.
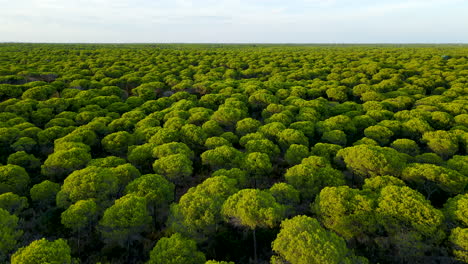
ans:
x=225 y=20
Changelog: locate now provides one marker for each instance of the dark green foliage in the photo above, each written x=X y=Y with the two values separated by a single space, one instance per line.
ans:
x=13 y=178
x=10 y=233
x=13 y=203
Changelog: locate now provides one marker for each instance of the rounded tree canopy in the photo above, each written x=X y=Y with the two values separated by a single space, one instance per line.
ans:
x=370 y=161
x=176 y=250
x=253 y=208
x=302 y=240
x=13 y=178
x=42 y=251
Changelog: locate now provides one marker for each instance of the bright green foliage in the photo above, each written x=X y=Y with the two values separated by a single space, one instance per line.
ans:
x=312 y=175
x=337 y=94
x=176 y=250
x=228 y=116
x=272 y=130
x=123 y=221
x=378 y=133
x=10 y=234
x=427 y=175
x=13 y=178
x=158 y=192
x=339 y=122
x=246 y=126
x=462 y=119
x=214 y=142
x=235 y=173
x=337 y=137
x=80 y=215
x=289 y=136
x=43 y=251
x=258 y=164
x=370 y=161
x=222 y=157
x=459 y=163
x=38 y=92
x=215 y=119
x=379 y=182
x=252 y=136
x=264 y=146
x=348 y=212
x=441 y=142
x=456 y=209
x=295 y=154
x=107 y=162
x=91 y=182
x=172 y=149
x=45 y=192
x=405 y=145
x=231 y=137
x=303 y=241
x=396 y=212
x=175 y=123
x=198 y=212
x=253 y=208
x=306 y=127
x=415 y=128
x=117 y=143
x=193 y=136
x=177 y=168
x=287 y=195
x=441 y=120
x=459 y=240
x=366 y=141
x=148 y=91
x=430 y=158
x=212 y=128
x=13 y=203
x=141 y=156
x=61 y=163
x=125 y=173
x=325 y=150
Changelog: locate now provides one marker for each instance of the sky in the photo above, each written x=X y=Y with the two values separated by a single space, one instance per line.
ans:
x=234 y=21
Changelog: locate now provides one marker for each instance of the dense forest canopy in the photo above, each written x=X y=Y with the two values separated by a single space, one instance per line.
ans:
x=173 y=153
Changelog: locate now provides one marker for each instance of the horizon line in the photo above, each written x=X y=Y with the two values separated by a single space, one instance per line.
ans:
x=249 y=43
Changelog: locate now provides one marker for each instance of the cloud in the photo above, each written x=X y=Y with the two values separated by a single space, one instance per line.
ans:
x=227 y=20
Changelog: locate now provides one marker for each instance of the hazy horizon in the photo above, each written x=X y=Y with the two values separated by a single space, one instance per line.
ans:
x=235 y=21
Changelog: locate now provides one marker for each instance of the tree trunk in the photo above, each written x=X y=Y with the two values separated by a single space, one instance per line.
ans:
x=255 y=246
x=79 y=249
